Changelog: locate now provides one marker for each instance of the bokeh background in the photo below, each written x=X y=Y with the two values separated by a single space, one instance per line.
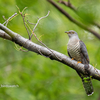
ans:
x=37 y=77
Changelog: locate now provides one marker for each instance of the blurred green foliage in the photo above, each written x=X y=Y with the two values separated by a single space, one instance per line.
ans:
x=40 y=78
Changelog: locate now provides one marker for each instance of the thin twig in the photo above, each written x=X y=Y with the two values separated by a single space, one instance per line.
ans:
x=4 y=18
x=24 y=50
x=30 y=22
x=6 y=22
x=38 y=22
x=24 y=9
x=26 y=26
x=23 y=16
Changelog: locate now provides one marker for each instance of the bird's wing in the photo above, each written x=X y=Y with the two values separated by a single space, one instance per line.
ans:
x=69 y=54
x=84 y=54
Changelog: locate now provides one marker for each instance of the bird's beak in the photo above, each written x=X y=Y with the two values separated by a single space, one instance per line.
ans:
x=67 y=32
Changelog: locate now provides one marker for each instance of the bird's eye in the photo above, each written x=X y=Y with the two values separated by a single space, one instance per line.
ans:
x=72 y=32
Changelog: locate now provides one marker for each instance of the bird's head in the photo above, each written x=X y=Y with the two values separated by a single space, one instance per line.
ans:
x=71 y=33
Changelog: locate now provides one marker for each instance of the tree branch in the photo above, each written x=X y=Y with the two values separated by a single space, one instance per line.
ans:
x=5 y=35
x=68 y=4
x=18 y=39
x=73 y=20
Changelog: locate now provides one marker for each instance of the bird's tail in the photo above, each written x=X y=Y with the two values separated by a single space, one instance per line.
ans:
x=86 y=79
x=87 y=85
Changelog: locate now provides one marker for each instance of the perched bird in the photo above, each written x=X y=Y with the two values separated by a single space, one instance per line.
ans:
x=77 y=50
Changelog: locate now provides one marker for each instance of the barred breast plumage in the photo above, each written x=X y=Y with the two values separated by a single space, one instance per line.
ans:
x=73 y=48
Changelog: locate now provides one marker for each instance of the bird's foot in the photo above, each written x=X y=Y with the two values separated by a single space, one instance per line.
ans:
x=79 y=62
x=72 y=59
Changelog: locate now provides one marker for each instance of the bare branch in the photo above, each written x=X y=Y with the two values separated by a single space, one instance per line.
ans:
x=30 y=22
x=6 y=22
x=68 y=4
x=18 y=39
x=23 y=16
x=73 y=20
x=38 y=22
x=25 y=26
x=5 y=35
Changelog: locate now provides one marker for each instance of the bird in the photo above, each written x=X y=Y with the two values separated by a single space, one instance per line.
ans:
x=77 y=51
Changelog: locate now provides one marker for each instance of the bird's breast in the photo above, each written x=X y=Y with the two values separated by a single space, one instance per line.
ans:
x=74 y=50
